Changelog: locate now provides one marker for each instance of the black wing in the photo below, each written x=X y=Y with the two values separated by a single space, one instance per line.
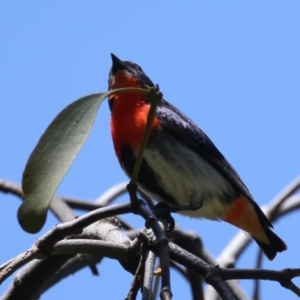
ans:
x=184 y=129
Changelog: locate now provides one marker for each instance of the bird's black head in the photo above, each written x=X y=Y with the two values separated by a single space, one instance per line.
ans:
x=126 y=74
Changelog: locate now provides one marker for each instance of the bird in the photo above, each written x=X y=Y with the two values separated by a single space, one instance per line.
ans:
x=181 y=166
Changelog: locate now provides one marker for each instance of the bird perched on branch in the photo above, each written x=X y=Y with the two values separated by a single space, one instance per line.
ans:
x=181 y=166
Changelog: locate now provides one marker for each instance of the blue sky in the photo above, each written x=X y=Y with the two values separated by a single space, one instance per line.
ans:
x=232 y=66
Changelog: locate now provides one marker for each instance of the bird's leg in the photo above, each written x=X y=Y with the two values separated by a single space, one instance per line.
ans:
x=193 y=205
x=163 y=210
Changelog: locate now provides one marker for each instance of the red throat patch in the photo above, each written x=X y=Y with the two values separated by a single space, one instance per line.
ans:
x=129 y=114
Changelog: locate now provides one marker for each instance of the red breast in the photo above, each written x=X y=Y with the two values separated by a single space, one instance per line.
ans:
x=129 y=114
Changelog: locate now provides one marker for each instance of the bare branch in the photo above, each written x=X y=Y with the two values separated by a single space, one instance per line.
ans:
x=256 y=281
x=216 y=276
x=44 y=245
x=292 y=204
x=196 y=283
x=213 y=278
x=205 y=270
x=52 y=243
x=81 y=203
x=147 y=199
x=290 y=189
x=191 y=242
x=11 y=188
x=148 y=275
x=72 y=266
x=108 y=249
x=111 y=194
x=284 y=277
x=139 y=208
x=58 y=205
x=18 y=262
x=136 y=283
x=27 y=281
x=57 y=267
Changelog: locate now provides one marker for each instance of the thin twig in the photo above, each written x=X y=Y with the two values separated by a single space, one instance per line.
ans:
x=279 y=199
x=19 y=261
x=256 y=281
x=201 y=267
x=155 y=97
x=148 y=275
x=284 y=277
x=72 y=266
x=136 y=283
x=111 y=194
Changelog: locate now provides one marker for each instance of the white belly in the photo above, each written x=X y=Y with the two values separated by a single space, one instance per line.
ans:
x=188 y=177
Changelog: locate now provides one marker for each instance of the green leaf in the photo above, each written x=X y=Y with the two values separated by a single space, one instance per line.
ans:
x=52 y=157
x=54 y=154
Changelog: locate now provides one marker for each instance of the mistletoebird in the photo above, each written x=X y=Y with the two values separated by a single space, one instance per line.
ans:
x=181 y=166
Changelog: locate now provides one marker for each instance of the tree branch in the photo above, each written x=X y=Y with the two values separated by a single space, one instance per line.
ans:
x=44 y=245
x=205 y=270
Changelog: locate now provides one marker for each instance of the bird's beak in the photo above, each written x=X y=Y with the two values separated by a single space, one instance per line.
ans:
x=117 y=64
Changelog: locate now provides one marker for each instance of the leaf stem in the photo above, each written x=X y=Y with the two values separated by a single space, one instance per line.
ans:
x=155 y=97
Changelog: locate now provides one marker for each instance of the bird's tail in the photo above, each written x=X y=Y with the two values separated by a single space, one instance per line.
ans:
x=276 y=244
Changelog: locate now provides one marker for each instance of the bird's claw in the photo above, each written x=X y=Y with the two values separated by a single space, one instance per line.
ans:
x=163 y=210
